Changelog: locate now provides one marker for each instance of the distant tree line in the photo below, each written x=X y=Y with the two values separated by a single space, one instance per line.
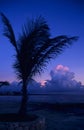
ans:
x=4 y=83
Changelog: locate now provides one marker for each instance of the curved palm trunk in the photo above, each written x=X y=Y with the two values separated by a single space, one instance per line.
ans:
x=23 y=107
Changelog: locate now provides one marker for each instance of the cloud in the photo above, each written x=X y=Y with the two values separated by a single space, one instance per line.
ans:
x=14 y=87
x=62 y=79
x=61 y=68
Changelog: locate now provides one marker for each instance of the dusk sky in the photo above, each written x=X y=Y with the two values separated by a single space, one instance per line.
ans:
x=64 y=17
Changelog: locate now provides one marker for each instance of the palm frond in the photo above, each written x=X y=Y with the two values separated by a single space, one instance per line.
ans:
x=57 y=46
x=62 y=37
x=35 y=32
x=8 y=30
x=53 y=42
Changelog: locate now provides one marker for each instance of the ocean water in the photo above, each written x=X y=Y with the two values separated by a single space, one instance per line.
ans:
x=51 y=98
x=58 y=98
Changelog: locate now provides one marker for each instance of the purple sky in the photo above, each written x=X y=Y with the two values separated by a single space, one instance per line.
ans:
x=63 y=16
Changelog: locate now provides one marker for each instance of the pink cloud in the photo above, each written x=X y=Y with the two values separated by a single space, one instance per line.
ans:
x=43 y=82
x=61 y=68
x=66 y=68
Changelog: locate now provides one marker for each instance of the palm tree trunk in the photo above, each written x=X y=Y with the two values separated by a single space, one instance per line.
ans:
x=23 y=107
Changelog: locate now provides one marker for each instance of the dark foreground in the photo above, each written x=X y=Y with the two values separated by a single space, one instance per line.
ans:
x=58 y=116
x=62 y=116
x=13 y=117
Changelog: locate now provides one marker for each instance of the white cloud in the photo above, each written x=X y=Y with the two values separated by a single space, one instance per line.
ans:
x=63 y=79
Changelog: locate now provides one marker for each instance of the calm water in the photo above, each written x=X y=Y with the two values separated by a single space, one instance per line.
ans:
x=52 y=98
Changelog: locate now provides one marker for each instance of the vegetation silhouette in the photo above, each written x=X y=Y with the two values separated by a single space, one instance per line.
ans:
x=34 y=49
x=2 y=83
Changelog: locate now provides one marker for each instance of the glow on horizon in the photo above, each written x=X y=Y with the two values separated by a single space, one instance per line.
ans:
x=41 y=80
x=44 y=77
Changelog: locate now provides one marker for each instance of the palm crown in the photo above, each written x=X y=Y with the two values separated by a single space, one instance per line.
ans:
x=34 y=47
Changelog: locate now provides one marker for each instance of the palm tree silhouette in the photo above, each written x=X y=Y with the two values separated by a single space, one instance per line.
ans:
x=34 y=49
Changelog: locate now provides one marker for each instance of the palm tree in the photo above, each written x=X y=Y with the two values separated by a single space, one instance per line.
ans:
x=34 y=49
